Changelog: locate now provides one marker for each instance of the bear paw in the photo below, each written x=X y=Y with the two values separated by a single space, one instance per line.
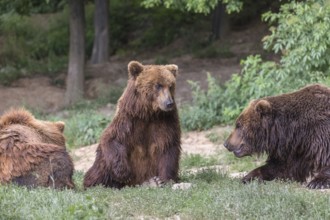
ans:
x=122 y=173
x=319 y=183
x=250 y=177
x=154 y=182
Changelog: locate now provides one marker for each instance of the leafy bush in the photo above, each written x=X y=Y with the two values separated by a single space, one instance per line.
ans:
x=37 y=44
x=302 y=37
x=84 y=128
x=204 y=112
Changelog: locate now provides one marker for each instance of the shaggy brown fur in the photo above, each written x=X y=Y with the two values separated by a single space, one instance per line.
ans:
x=32 y=152
x=143 y=140
x=293 y=130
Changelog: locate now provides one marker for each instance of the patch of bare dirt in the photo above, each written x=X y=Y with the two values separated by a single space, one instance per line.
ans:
x=192 y=143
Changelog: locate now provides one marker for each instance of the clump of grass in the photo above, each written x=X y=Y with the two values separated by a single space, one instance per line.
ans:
x=244 y=164
x=84 y=128
x=195 y=160
x=218 y=137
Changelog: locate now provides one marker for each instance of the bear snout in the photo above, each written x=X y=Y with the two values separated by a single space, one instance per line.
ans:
x=169 y=104
x=226 y=145
x=239 y=149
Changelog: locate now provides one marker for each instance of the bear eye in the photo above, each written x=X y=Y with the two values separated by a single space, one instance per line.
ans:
x=238 y=125
x=158 y=86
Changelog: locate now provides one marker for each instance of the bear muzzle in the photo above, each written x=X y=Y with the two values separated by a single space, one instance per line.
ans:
x=169 y=104
x=239 y=151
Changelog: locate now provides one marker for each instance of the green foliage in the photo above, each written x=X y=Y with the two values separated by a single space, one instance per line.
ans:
x=197 y=6
x=84 y=128
x=139 y=29
x=245 y=164
x=302 y=36
x=31 y=6
x=37 y=44
x=27 y=48
x=217 y=137
x=196 y=160
x=305 y=59
x=204 y=112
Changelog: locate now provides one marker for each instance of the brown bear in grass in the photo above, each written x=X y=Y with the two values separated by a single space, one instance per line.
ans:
x=142 y=144
x=293 y=129
x=32 y=152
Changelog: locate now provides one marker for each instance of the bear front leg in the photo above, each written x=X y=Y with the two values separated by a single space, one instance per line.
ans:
x=322 y=180
x=118 y=162
x=110 y=168
x=267 y=172
x=168 y=166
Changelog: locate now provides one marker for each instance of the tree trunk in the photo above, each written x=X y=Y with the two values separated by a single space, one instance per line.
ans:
x=100 y=51
x=75 y=79
x=220 y=22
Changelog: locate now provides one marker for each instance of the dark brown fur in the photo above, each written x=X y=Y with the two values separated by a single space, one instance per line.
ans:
x=143 y=140
x=32 y=152
x=293 y=129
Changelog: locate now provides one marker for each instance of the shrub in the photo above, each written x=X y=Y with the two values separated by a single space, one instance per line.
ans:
x=204 y=112
x=37 y=44
x=84 y=128
x=302 y=38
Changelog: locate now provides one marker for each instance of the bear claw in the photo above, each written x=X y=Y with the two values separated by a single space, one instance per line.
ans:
x=319 y=183
x=154 y=182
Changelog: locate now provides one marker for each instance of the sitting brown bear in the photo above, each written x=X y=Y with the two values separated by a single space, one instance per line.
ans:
x=32 y=152
x=142 y=144
x=293 y=130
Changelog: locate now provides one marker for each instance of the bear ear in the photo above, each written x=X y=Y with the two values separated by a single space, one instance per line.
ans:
x=263 y=107
x=60 y=125
x=173 y=68
x=134 y=69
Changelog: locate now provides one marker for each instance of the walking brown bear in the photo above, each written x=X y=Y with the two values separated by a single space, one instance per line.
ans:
x=32 y=152
x=293 y=129
x=142 y=143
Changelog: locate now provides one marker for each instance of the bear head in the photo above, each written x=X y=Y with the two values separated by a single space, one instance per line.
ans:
x=251 y=129
x=154 y=84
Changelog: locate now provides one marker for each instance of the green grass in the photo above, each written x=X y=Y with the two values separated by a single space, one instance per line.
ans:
x=213 y=196
x=196 y=160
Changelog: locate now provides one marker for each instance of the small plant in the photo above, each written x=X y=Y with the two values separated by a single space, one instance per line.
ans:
x=204 y=112
x=84 y=128
x=245 y=164
x=196 y=160
x=218 y=137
